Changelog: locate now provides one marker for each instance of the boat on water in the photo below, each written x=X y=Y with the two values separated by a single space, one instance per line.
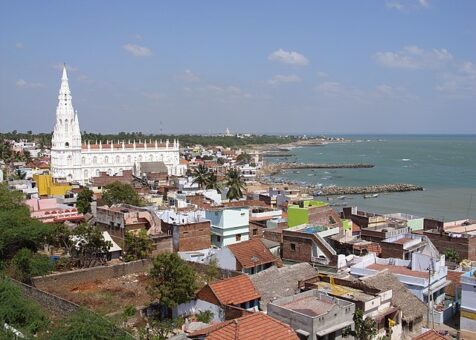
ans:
x=371 y=196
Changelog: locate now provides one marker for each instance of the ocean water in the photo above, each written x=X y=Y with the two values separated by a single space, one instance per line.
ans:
x=444 y=165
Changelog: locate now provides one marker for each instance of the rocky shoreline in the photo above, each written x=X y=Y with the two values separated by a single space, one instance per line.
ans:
x=274 y=168
x=371 y=189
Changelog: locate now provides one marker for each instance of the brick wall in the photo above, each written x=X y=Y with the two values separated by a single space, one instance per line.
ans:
x=191 y=236
x=390 y=250
x=324 y=216
x=465 y=247
x=256 y=230
x=303 y=248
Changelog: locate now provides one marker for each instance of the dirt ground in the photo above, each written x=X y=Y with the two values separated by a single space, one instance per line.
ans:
x=109 y=296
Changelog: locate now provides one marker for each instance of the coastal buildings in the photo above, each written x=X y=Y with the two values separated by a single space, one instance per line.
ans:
x=468 y=304
x=313 y=314
x=229 y=225
x=75 y=161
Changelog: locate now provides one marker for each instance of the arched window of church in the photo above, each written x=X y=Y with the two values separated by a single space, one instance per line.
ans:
x=106 y=159
x=95 y=160
x=86 y=174
x=97 y=172
x=129 y=158
x=140 y=158
x=83 y=161
x=118 y=159
x=66 y=125
x=109 y=172
x=70 y=160
x=151 y=158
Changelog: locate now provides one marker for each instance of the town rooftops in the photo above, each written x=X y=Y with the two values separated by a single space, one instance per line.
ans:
x=251 y=253
x=153 y=167
x=399 y=270
x=309 y=305
x=249 y=327
x=430 y=334
x=274 y=282
x=231 y=291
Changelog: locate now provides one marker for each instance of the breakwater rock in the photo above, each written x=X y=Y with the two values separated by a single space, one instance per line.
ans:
x=371 y=189
x=271 y=169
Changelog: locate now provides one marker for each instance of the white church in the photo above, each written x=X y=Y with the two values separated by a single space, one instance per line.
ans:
x=73 y=161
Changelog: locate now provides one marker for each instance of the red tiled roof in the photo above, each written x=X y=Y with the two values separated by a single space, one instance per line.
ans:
x=248 y=327
x=430 y=334
x=251 y=253
x=234 y=290
x=397 y=270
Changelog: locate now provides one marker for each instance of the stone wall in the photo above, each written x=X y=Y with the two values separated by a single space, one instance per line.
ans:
x=101 y=273
x=52 y=303
x=302 y=248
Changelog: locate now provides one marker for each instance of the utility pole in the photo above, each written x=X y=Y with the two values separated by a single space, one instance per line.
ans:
x=430 y=270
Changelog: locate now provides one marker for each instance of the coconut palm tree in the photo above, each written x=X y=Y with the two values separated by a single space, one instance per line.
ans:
x=212 y=182
x=200 y=176
x=235 y=183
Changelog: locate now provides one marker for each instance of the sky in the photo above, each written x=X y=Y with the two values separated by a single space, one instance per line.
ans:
x=268 y=66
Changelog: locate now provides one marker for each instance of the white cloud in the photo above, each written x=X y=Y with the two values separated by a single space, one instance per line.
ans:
x=321 y=74
x=459 y=81
x=403 y=5
x=137 y=50
x=394 y=92
x=285 y=57
x=279 y=79
x=19 y=45
x=188 y=76
x=23 y=84
x=414 y=57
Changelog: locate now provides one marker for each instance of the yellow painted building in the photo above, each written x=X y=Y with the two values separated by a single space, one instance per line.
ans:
x=46 y=186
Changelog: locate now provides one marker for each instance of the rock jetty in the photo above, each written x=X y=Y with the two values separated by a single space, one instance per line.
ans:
x=372 y=189
x=272 y=169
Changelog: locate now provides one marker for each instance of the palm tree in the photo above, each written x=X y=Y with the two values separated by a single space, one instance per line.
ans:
x=200 y=176
x=235 y=183
x=212 y=182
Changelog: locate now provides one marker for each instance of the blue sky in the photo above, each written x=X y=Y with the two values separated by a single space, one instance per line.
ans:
x=397 y=66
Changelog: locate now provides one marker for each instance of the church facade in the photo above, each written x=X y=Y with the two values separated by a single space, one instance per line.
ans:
x=74 y=161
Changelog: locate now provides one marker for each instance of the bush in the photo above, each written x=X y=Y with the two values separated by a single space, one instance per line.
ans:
x=205 y=316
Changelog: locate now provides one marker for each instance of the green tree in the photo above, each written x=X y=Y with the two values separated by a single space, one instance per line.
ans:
x=19 y=312
x=212 y=182
x=90 y=246
x=205 y=316
x=25 y=265
x=118 y=192
x=452 y=255
x=17 y=229
x=212 y=271
x=365 y=329
x=235 y=183
x=83 y=324
x=201 y=176
x=173 y=281
x=137 y=246
x=83 y=202
x=243 y=158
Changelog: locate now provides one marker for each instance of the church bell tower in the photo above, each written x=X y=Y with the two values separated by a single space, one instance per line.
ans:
x=66 y=141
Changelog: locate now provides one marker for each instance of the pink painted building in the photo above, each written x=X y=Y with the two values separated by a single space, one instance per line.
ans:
x=48 y=210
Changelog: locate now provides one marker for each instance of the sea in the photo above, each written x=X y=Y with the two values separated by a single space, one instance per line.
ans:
x=444 y=165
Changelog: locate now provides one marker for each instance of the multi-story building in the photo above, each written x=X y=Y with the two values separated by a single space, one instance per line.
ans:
x=312 y=212
x=468 y=305
x=230 y=225
x=72 y=160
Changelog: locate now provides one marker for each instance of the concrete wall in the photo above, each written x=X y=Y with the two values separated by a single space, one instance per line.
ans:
x=75 y=277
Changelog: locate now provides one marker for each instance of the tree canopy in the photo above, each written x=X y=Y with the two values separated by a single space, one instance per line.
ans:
x=173 y=281
x=118 y=192
x=17 y=229
x=83 y=202
x=137 y=246
x=235 y=183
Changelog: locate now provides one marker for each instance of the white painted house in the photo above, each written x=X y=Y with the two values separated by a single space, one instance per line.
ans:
x=468 y=303
x=229 y=225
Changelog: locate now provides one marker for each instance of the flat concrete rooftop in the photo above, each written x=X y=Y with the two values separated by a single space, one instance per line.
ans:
x=311 y=306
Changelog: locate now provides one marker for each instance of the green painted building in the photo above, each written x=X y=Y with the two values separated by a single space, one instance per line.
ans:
x=299 y=213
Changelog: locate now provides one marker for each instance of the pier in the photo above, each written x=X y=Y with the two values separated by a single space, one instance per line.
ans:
x=371 y=189
x=272 y=169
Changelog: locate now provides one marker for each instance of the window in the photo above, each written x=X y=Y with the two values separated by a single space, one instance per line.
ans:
x=255 y=232
x=218 y=238
x=293 y=246
x=238 y=237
